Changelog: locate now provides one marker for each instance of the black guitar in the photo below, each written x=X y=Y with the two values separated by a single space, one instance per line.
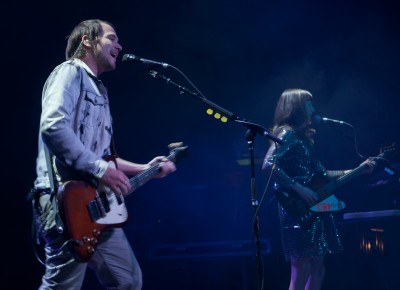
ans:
x=299 y=209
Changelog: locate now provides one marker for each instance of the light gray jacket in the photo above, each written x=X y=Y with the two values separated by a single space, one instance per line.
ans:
x=75 y=123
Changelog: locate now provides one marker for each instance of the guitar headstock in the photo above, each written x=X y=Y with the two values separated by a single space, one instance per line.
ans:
x=386 y=152
x=175 y=145
x=177 y=150
x=388 y=148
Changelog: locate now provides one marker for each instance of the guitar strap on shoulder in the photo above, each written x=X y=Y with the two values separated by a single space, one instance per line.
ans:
x=54 y=189
x=112 y=147
x=113 y=153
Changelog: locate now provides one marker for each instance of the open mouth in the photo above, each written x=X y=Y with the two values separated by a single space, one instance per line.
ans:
x=114 y=54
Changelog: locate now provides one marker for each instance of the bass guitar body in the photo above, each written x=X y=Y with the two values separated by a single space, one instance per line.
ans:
x=300 y=210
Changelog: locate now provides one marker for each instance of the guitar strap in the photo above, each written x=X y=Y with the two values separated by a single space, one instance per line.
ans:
x=112 y=147
x=54 y=189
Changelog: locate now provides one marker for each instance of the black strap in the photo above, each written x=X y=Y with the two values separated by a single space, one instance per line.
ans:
x=112 y=147
x=50 y=170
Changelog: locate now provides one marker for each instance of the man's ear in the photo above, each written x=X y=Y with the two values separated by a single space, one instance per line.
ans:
x=86 y=40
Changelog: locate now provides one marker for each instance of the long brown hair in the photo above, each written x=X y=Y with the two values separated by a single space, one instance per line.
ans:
x=290 y=111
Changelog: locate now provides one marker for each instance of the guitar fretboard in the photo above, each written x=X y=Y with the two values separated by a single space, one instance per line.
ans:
x=146 y=175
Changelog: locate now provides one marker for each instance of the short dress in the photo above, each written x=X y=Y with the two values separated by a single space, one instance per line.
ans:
x=293 y=161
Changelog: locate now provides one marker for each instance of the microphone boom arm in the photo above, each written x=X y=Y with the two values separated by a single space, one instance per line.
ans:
x=255 y=128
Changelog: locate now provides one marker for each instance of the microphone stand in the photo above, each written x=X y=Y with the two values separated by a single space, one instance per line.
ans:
x=252 y=130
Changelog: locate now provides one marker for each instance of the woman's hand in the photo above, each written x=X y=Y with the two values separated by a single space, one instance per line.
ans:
x=310 y=196
x=369 y=165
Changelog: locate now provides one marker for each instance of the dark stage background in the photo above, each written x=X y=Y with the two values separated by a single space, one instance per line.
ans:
x=193 y=229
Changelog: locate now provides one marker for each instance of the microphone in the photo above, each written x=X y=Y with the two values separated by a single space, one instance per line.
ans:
x=319 y=119
x=135 y=59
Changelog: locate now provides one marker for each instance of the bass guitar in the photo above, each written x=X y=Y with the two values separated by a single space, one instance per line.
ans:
x=87 y=210
x=302 y=212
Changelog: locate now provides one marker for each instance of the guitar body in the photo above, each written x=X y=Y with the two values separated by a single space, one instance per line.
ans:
x=87 y=211
x=299 y=209
x=76 y=201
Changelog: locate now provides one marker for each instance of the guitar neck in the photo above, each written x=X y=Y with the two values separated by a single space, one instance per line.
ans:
x=146 y=175
x=330 y=187
x=350 y=175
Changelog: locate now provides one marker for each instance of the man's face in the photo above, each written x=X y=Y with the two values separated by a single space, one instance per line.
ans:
x=107 y=49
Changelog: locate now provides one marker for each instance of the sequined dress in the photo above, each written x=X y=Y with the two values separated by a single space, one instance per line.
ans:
x=295 y=160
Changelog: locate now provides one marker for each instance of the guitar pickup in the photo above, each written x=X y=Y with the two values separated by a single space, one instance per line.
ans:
x=96 y=209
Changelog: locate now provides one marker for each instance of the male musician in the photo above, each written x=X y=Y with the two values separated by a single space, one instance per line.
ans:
x=76 y=128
